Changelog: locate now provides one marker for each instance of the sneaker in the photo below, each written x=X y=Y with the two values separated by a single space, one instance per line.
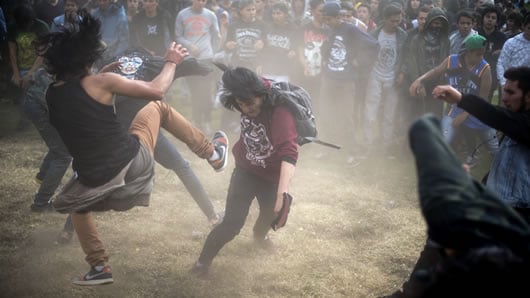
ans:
x=265 y=244
x=200 y=270
x=41 y=208
x=64 y=237
x=220 y=141
x=217 y=220
x=95 y=277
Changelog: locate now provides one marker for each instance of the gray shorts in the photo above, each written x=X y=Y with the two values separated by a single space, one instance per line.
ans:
x=131 y=187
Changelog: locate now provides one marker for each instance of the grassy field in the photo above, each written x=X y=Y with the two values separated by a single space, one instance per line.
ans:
x=352 y=232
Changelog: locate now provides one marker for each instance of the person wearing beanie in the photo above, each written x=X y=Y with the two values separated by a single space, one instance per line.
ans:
x=430 y=47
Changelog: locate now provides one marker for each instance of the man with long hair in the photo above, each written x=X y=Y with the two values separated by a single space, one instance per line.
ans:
x=114 y=169
x=265 y=160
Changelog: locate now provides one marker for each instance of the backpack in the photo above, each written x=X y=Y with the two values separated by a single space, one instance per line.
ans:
x=298 y=101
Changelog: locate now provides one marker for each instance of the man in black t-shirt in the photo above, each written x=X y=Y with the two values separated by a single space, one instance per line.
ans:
x=150 y=29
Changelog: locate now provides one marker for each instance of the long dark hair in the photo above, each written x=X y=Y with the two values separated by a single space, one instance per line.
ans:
x=70 y=53
x=242 y=84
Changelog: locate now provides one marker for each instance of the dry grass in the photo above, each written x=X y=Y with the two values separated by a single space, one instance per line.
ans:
x=352 y=232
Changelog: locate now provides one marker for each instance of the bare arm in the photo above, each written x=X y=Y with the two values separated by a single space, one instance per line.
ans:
x=416 y=88
x=447 y=93
x=286 y=174
x=103 y=86
x=485 y=83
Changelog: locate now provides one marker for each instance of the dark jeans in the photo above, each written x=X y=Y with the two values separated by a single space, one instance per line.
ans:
x=460 y=212
x=244 y=187
x=56 y=160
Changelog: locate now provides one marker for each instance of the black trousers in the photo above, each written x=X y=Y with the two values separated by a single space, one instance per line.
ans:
x=244 y=187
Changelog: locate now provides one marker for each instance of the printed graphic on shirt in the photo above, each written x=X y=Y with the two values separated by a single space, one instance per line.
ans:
x=152 y=29
x=196 y=26
x=25 y=52
x=129 y=65
x=279 y=41
x=312 y=52
x=337 y=56
x=463 y=84
x=432 y=52
x=388 y=53
x=246 y=39
x=258 y=145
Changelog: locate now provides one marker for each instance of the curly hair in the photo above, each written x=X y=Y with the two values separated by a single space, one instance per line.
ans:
x=71 y=53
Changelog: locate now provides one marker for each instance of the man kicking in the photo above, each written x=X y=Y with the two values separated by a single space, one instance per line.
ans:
x=114 y=168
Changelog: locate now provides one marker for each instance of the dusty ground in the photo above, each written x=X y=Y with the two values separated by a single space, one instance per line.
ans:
x=352 y=232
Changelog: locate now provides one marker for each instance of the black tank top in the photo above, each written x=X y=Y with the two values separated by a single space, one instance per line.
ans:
x=99 y=145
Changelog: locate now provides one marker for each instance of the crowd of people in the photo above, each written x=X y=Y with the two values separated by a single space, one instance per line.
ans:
x=371 y=69
x=357 y=59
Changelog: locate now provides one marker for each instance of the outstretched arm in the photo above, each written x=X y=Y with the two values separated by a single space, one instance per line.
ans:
x=417 y=88
x=109 y=83
x=513 y=124
x=447 y=94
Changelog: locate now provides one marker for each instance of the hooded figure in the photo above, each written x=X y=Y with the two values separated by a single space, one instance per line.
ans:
x=431 y=48
x=432 y=44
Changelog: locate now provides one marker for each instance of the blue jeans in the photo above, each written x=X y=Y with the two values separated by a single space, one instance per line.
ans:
x=487 y=136
x=56 y=160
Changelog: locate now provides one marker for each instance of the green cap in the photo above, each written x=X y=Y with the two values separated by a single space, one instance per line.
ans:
x=474 y=42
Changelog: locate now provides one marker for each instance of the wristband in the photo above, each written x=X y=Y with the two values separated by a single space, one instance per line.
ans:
x=169 y=61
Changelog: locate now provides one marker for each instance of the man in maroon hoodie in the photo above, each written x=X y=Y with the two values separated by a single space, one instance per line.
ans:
x=265 y=158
